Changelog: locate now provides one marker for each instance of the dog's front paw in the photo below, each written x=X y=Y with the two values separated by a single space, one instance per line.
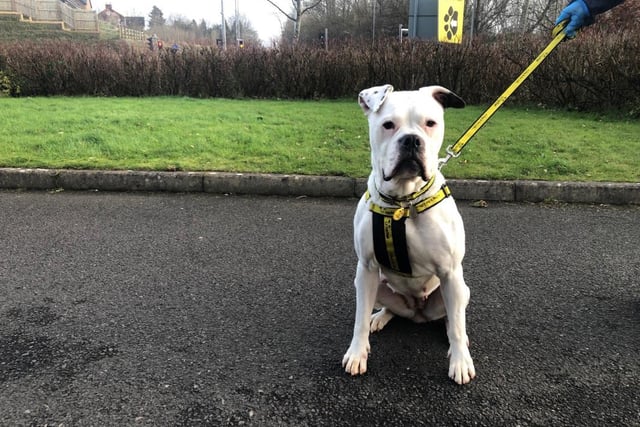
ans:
x=355 y=360
x=461 y=368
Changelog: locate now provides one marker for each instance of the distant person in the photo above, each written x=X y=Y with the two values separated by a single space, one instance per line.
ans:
x=153 y=42
x=175 y=48
x=581 y=13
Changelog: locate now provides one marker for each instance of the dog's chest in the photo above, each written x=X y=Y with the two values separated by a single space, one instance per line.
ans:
x=410 y=247
x=403 y=233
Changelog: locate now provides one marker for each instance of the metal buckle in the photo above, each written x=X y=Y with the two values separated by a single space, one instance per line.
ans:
x=443 y=161
x=451 y=153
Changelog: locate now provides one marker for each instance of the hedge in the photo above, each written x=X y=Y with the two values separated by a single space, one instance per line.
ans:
x=593 y=72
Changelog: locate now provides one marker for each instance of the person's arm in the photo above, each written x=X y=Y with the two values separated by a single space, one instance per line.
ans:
x=581 y=13
x=597 y=7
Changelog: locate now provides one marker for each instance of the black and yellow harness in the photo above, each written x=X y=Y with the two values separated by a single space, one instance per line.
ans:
x=389 y=228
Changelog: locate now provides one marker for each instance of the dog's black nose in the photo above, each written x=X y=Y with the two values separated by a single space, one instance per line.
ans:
x=410 y=142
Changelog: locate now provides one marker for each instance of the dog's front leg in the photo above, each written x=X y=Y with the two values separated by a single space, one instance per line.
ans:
x=456 y=297
x=366 y=283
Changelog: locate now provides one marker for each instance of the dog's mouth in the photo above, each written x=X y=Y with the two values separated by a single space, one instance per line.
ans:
x=408 y=167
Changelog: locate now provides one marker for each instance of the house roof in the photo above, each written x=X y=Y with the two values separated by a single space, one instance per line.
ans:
x=108 y=11
x=80 y=4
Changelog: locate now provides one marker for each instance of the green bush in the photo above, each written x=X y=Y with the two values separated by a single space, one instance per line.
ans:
x=7 y=86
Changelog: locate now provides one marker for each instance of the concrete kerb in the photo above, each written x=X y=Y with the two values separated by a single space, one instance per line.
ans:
x=280 y=185
x=614 y=193
x=209 y=182
x=312 y=186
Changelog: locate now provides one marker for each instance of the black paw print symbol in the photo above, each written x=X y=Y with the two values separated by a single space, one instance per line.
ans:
x=451 y=23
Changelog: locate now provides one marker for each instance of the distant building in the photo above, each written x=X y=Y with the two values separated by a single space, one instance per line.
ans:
x=116 y=18
x=111 y=16
x=79 y=4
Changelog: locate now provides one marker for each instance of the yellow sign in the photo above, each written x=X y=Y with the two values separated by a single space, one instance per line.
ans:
x=450 y=20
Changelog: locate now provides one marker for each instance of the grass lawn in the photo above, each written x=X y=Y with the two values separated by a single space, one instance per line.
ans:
x=302 y=137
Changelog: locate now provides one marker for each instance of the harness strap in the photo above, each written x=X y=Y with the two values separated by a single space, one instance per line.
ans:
x=411 y=197
x=389 y=231
x=400 y=212
x=390 y=243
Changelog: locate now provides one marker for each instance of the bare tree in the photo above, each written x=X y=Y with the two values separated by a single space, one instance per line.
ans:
x=353 y=19
x=511 y=16
x=243 y=29
x=299 y=10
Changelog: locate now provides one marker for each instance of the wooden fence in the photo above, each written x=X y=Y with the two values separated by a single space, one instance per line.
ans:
x=52 y=11
x=129 y=34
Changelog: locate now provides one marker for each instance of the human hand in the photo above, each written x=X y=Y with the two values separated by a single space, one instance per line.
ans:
x=578 y=15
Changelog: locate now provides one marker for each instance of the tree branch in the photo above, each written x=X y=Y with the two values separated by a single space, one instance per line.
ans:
x=309 y=7
x=281 y=11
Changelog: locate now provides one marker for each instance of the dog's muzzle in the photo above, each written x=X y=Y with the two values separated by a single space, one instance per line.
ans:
x=411 y=158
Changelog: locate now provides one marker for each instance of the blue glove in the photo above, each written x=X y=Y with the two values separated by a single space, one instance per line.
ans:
x=578 y=15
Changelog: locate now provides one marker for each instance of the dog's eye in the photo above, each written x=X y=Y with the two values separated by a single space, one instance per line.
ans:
x=430 y=123
x=388 y=125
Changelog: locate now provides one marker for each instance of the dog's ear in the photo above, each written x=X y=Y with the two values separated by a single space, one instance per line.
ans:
x=444 y=96
x=371 y=99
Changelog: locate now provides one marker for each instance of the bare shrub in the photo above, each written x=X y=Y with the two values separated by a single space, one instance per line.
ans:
x=597 y=70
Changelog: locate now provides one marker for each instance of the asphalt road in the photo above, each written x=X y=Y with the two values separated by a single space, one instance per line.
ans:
x=180 y=309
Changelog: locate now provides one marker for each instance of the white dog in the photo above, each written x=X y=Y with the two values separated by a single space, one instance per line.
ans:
x=408 y=233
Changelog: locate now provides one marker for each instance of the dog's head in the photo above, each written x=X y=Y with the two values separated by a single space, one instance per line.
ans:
x=406 y=130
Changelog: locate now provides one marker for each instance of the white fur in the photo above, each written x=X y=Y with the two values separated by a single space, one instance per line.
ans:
x=435 y=238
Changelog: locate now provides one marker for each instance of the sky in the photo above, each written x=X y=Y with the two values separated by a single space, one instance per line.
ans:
x=264 y=18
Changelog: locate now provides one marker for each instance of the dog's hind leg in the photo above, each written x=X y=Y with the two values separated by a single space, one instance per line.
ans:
x=380 y=319
x=392 y=303
x=434 y=308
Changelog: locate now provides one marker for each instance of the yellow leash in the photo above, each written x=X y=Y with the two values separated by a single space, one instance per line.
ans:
x=454 y=151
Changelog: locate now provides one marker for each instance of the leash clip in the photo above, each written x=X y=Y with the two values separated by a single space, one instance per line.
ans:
x=450 y=153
